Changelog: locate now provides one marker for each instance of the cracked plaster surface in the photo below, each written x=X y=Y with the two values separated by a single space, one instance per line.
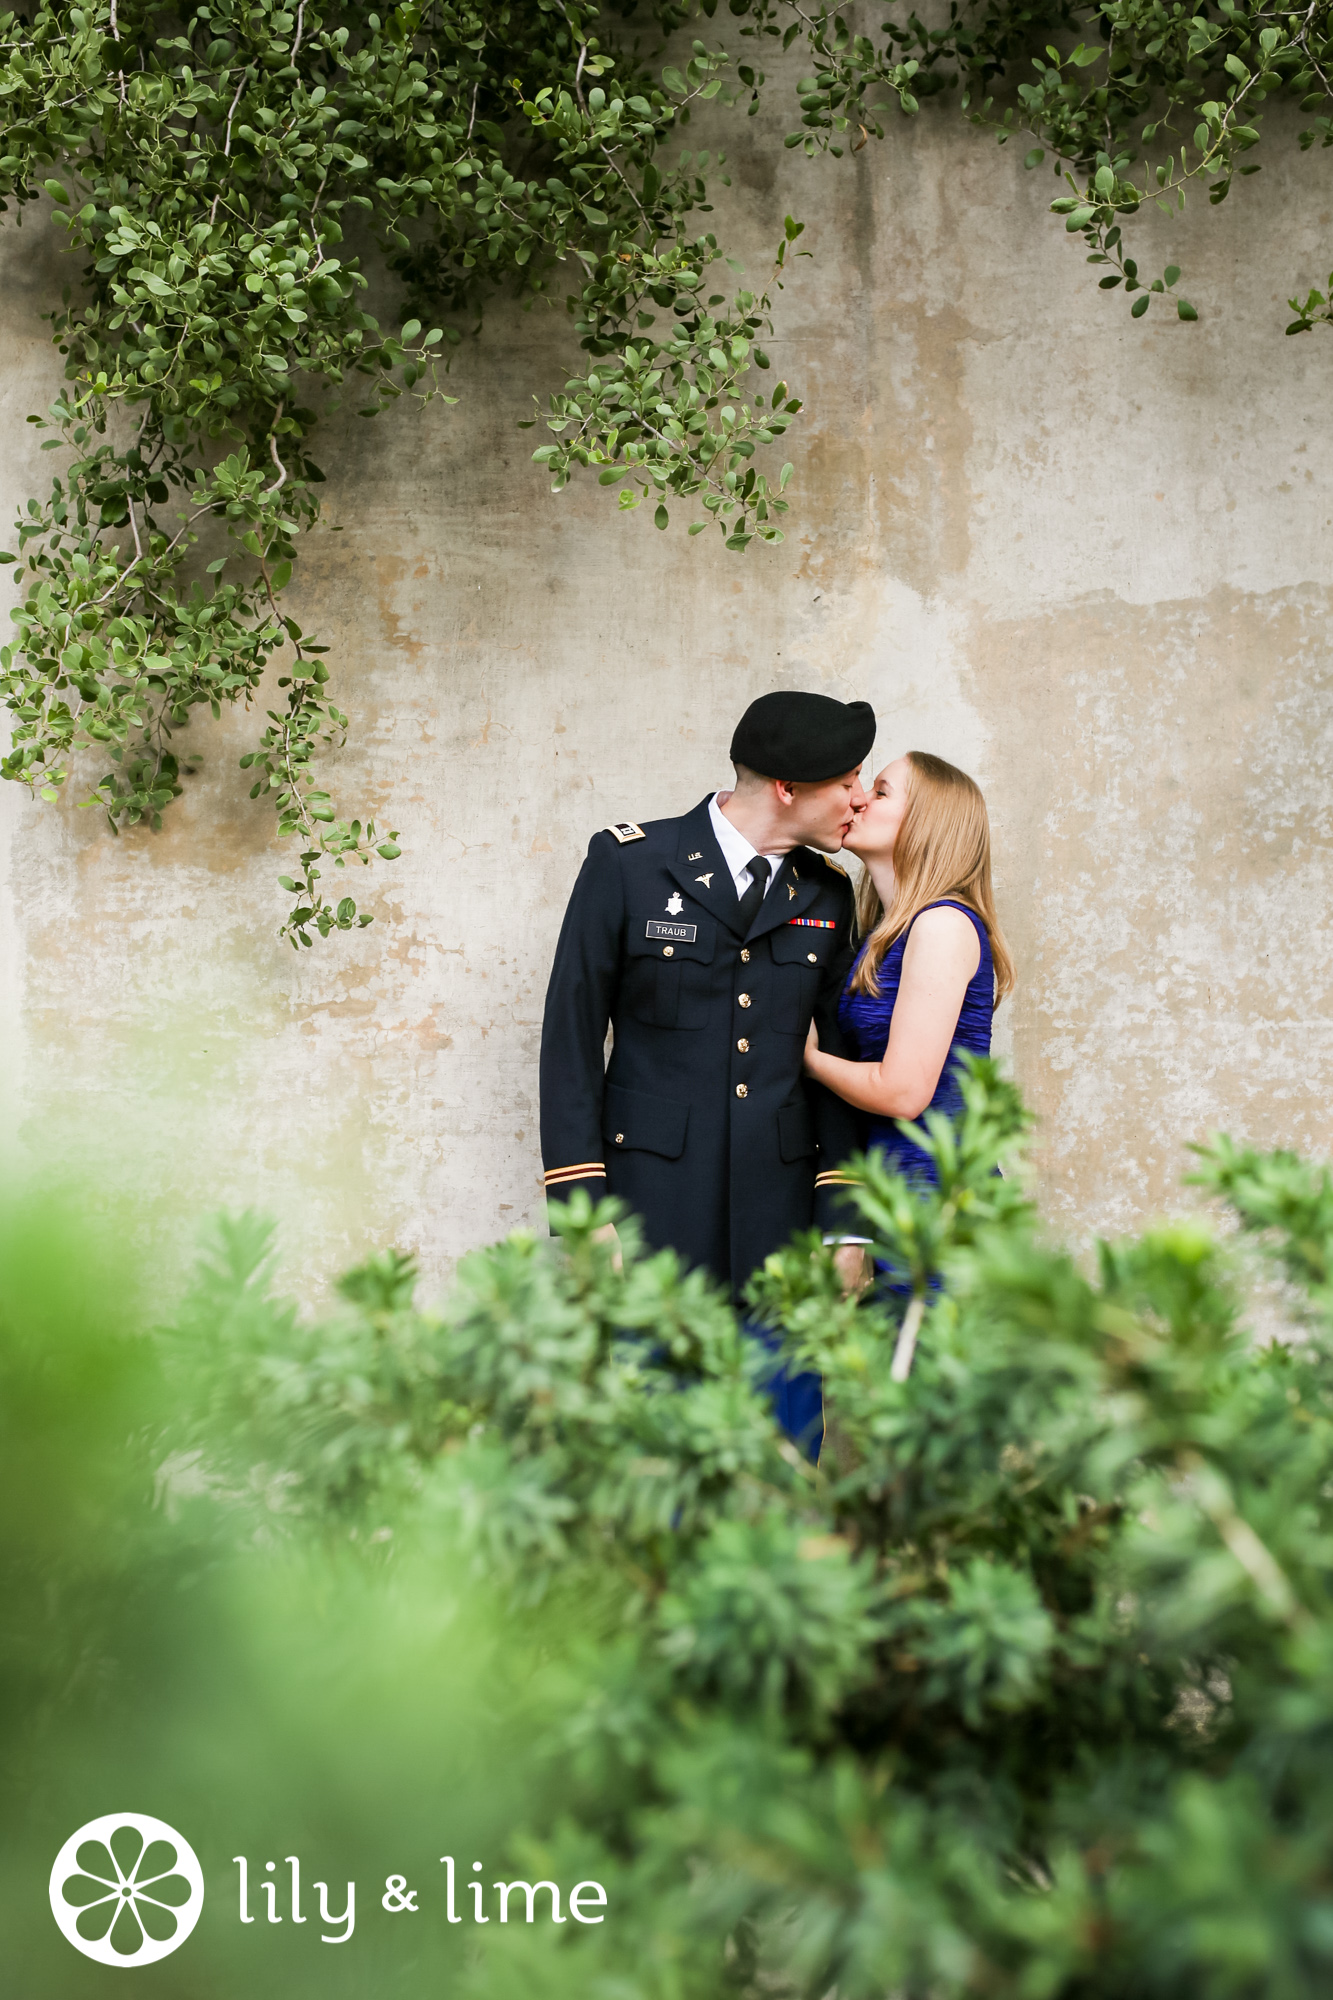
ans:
x=1086 y=558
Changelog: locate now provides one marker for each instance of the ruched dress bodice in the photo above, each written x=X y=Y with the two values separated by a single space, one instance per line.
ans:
x=865 y=1018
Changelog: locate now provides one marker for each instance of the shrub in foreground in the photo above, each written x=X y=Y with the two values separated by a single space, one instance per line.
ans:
x=1024 y=1691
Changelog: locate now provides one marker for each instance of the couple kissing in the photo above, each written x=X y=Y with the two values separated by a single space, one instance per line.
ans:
x=768 y=1020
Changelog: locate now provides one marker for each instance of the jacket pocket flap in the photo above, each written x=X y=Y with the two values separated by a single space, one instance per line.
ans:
x=796 y=1132
x=634 y=1122
x=802 y=944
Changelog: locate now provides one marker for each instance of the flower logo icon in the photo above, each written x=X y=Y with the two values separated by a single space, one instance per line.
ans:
x=126 y=1889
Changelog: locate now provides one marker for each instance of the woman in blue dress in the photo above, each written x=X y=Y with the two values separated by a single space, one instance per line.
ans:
x=934 y=964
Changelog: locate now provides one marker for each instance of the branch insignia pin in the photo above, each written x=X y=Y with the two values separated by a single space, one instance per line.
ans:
x=707 y=879
x=791 y=893
x=674 y=904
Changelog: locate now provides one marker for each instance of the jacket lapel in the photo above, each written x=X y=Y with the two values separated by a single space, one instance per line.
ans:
x=796 y=888
x=706 y=879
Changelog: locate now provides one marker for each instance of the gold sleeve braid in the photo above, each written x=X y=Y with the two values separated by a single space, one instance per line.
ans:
x=587 y=1170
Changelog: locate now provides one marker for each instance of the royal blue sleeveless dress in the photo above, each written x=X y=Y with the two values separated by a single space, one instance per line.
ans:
x=865 y=1018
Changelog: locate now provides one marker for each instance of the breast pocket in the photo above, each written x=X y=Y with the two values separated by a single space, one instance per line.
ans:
x=668 y=978
x=800 y=953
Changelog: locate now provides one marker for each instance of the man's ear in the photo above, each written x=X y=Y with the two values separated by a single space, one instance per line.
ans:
x=786 y=792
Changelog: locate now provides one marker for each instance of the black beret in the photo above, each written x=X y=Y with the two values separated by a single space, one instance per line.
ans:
x=803 y=738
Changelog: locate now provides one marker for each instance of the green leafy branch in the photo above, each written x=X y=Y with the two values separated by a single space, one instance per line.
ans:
x=115 y=648
x=1103 y=108
x=1315 y=309
x=657 y=418
x=1152 y=98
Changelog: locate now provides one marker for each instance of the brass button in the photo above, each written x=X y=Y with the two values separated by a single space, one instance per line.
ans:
x=742 y=1090
x=743 y=1046
x=745 y=954
x=668 y=951
x=812 y=958
x=743 y=999
x=620 y=1138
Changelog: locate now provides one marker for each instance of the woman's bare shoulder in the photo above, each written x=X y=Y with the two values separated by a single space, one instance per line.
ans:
x=946 y=930
x=944 y=920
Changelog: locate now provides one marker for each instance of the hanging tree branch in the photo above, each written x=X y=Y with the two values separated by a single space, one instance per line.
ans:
x=217 y=275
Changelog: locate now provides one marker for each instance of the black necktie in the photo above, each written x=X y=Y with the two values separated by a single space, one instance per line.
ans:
x=760 y=870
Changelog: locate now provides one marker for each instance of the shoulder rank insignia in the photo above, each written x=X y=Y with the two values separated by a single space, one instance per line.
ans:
x=625 y=830
x=829 y=862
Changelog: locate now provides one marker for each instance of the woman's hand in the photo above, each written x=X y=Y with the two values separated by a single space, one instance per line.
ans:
x=855 y=1272
x=608 y=1234
x=811 y=1048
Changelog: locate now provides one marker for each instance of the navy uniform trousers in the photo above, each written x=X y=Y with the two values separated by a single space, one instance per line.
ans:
x=702 y=1121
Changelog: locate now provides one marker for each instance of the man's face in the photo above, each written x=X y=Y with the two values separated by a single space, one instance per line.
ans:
x=822 y=815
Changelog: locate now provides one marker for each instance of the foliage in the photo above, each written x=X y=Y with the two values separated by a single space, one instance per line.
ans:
x=221 y=170
x=1157 y=99
x=265 y=1698
x=232 y=174
x=1023 y=1692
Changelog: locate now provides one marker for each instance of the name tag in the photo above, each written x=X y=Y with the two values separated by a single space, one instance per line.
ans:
x=684 y=933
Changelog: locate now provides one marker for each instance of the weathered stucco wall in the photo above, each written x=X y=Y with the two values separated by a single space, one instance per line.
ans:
x=1086 y=558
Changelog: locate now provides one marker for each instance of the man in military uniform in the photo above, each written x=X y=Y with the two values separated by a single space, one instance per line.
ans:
x=708 y=943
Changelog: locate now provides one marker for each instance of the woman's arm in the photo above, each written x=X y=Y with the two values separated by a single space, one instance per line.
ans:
x=942 y=954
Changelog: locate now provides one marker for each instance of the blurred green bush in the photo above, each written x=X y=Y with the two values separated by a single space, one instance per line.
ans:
x=1026 y=1691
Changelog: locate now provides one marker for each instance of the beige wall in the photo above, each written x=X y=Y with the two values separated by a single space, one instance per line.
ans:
x=1086 y=558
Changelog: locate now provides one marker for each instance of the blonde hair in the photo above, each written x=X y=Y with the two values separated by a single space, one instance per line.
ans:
x=942 y=849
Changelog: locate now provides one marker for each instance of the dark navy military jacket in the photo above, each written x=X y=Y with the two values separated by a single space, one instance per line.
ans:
x=702 y=1120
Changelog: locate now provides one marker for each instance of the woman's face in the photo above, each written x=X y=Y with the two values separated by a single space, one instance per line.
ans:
x=875 y=830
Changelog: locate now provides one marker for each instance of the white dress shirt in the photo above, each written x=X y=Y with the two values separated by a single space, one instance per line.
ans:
x=737 y=851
